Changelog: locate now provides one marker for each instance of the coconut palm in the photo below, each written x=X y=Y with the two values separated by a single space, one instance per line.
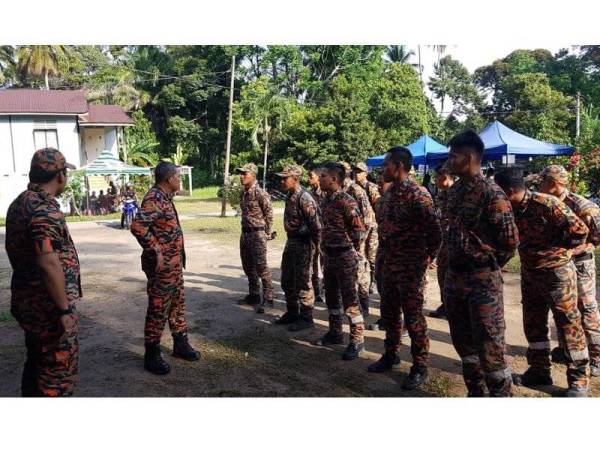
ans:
x=42 y=60
x=398 y=54
x=7 y=59
x=118 y=89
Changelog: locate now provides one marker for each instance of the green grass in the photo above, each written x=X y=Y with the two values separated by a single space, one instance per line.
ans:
x=5 y=316
x=2 y=222
x=514 y=265
x=226 y=229
x=205 y=193
x=115 y=216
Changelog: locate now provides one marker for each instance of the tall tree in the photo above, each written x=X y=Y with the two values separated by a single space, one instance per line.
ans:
x=41 y=60
x=7 y=60
x=400 y=54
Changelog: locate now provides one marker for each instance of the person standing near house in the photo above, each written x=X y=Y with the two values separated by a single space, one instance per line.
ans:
x=554 y=182
x=302 y=223
x=257 y=229
x=157 y=229
x=343 y=231
x=372 y=191
x=482 y=237
x=367 y=215
x=443 y=183
x=46 y=279
x=410 y=236
x=548 y=232
x=318 y=194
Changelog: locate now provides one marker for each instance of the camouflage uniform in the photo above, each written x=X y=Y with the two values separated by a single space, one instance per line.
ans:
x=36 y=226
x=302 y=224
x=343 y=229
x=257 y=223
x=482 y=237
x=317 y=261
x=441 y=201
x=372 y=240
x=410 y=234
x=156 y=225
x=548 y=230
x=366 y=212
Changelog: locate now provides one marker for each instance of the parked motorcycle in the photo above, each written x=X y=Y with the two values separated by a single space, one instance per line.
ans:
x=129 y=210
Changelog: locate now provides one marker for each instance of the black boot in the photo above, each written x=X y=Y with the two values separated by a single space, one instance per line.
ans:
x=183 y=349
x=153 y=361
x=318 y=299
x=558 y=355
x=371 y=288
x=329 y=339
x=302 y=323
x=287 y=319
x=353 y=351
x=576 y=391
x=375 y=326
x=388 y=360
x=533 y=377
x=418 y=375
x=439 y=313
x=250 y=300
x=364 y=306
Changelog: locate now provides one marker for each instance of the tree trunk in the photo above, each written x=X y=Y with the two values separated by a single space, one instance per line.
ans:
x=420 y=66
x=266 y=153
x=46 y=79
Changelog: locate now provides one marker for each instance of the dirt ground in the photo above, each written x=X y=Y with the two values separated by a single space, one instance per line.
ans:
x=243 y=354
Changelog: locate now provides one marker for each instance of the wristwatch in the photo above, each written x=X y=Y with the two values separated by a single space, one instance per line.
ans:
x=65 y=312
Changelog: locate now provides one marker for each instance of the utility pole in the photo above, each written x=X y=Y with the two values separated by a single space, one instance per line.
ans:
x=228 y=145
x=578 y=120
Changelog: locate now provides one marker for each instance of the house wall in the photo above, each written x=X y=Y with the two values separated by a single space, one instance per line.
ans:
x=14 y=172
x=95 y=140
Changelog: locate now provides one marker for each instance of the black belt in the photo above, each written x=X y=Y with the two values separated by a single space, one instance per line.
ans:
x=334 y=251
x=583 y=257
x=252 y=229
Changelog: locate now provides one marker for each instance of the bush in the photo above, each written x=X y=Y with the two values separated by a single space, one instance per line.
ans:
x=232 y=191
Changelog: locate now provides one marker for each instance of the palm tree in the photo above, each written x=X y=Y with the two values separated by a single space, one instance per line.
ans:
x=398 y=54
x=38 y=60
x=119 y=89
x=7 y=59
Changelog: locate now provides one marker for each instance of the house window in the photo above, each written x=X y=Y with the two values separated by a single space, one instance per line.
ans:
x=45 y=139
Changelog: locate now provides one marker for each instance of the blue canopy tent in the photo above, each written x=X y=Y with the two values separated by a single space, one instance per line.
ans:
x=500 y=141
x=420 y=150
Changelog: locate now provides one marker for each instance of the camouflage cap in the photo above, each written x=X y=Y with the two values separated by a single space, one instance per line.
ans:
x=49 y=160
x=291 y=170
x=556 y=173
x=250 y=167
x=360 y=167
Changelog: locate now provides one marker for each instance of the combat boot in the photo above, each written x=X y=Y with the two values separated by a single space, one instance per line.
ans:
x=303 y=323
x=376 y=326
x=372 y=288
x=576 y=391
x=353 y=351
x=250 y=300
x=287 y=319
x=558 y=356
x=153 y=361
x=183 y=349
x=417 y=376
x=318 y=299
x=595 y=369
x=329 y=339
x=439 y=313
x=388 y=360
x=533 y=377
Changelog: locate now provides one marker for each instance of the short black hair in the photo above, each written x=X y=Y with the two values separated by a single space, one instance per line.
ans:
x=164 y=170
x=401 y=155
x=442 y=169
x=510 y=178
x=336 y=169
x=490 y=171
x=467 y=140
x=40 y=176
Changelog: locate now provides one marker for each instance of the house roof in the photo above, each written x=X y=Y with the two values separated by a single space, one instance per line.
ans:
x=105 y=115
x=32 y=101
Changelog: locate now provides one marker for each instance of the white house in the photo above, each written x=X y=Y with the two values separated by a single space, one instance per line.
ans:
x=33 y=119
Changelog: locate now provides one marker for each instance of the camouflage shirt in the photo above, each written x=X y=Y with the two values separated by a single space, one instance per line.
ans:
x=587 y=211
x=157 y=224
x=318 y=194
x=257 y=211
x=481 y=225
x=364 y=206
x=548 y=230
x=302 y=215
x=343 y=225
x=409 y=227
x=441 y=206
x=35 y=225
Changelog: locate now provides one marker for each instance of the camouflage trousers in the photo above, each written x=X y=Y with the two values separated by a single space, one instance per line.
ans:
x=554 y=289
x=296 y=268
x=371 y=245
x=363 y=279
x=51 y=367
x=166 y=301
x=253 y=251
x=340 y=279
x=404 y=289
x=442 y=268
x=317 y=262
x=475 y=310
x=588 y=305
